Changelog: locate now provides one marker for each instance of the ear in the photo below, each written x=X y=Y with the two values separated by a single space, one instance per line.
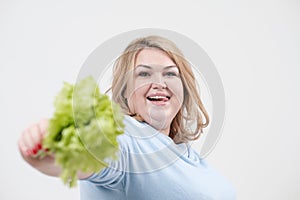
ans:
x=124 y=93
x=130 y=104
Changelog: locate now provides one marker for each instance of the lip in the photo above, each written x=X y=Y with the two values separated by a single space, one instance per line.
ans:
x=158 y=103
x=161 y=102
x=159 y=94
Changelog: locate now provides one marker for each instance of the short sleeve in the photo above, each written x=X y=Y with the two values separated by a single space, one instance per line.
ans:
x=112 y=176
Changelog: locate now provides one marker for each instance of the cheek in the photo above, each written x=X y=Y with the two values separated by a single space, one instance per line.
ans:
x=176 y=88
x=137 y=86
x=142 y=84
x=136 y=97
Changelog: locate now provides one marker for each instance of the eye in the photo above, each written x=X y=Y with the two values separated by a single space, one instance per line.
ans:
x=143 y=74
x=170 y=74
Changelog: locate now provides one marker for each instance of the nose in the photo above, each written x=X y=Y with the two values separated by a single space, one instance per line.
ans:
x=158 y=82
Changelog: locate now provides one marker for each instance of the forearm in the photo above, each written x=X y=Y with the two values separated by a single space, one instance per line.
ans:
x=30 y=143
x=45 y=165
x=48 y=166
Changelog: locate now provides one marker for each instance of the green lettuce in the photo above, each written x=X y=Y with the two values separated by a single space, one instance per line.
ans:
x=83 y=130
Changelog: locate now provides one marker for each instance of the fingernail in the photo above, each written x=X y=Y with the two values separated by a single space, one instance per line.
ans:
x=27 y=152
x=39 y=146
x=34 y=151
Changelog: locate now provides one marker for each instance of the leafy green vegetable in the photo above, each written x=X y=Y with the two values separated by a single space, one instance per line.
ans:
x=82 y=132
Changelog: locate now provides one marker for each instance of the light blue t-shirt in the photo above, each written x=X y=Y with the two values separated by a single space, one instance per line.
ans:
x=152 y=167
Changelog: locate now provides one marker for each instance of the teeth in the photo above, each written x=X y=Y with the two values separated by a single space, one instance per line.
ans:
x=157 y=97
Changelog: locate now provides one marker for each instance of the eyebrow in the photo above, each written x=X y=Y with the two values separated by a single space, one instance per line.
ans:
x=149 y=67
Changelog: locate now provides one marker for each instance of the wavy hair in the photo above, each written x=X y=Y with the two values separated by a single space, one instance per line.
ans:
x=192 y=117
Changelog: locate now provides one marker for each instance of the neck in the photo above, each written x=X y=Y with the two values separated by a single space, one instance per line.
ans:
x=165 y=131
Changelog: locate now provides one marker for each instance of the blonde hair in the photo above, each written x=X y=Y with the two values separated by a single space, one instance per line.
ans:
x=192 y=111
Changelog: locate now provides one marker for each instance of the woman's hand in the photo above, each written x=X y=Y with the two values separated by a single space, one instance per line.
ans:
x=30 y=141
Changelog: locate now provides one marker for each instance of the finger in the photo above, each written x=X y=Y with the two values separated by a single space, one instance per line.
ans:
x=25 y=144
x=43 y=125
x=31 y=138
x=27 y=136
x=36 y=139
x=35 y=134
x=22 y=146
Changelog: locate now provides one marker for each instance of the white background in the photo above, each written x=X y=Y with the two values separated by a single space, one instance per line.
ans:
x=255 y=46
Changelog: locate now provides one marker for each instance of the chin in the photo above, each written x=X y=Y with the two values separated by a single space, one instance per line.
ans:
x=159 y=122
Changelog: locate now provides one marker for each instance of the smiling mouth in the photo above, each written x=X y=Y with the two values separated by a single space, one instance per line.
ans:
x=158 y=98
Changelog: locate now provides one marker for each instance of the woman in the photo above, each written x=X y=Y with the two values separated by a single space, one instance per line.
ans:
x=156 y=88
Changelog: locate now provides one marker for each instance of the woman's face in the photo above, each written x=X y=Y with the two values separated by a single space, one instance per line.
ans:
x=156 y=92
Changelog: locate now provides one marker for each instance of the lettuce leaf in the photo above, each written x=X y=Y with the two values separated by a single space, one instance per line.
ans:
x=83 y=130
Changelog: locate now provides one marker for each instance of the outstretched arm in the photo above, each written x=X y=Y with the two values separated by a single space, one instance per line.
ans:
x=30 y=142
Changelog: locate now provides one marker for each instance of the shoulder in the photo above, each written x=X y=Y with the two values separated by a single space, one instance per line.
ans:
x=138 y=135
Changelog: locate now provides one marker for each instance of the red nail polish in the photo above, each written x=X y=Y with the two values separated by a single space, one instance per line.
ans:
x=34 y=151
x=27 y=152
x=39 y=146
